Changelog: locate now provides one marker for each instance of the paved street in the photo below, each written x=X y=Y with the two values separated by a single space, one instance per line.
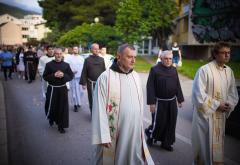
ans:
x=31 y=141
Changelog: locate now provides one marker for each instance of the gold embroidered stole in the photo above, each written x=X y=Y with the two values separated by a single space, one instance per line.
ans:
x=113 y=111
x=218 y=118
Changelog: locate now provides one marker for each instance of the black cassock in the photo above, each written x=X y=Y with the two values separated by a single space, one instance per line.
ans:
x=30 y=61
x=163 y=88
x=92 y=68
x=56 y=105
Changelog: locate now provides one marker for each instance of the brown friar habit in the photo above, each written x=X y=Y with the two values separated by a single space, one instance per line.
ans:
x=56 y=106
x=92 y=68
x=163 y=88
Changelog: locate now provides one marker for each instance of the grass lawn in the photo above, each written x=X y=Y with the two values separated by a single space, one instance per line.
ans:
x=188 y=69
x=142 y=65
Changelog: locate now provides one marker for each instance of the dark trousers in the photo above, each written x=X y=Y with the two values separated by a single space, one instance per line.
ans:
x=9 y=69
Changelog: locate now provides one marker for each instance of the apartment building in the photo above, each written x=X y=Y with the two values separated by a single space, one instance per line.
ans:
x=31 y=27
x=10 y=34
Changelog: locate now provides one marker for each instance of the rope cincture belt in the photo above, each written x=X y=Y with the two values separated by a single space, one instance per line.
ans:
x=159 y=99
x=50 y=102
x=92 y=83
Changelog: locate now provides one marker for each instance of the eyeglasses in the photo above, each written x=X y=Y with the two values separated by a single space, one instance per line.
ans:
x=224 y=52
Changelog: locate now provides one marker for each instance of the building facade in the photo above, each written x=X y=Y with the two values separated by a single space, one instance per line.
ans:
x=10 y=34
x=201 y=23
x=31 y=27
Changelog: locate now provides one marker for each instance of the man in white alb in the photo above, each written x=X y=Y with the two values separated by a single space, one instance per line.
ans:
x=76 y=63
x=41 y=66
x=214 y=97
x=108 y=59
x=117 y=116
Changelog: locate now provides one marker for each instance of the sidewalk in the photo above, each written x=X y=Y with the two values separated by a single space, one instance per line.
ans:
x=3 y=129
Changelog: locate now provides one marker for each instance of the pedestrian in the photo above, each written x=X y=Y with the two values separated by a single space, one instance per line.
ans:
x=164 y=93
x=41 y=66
x=117 y=122
x=76 y=63
x=177 y=55
x=30 y=61
x=214 y=96
x=20 y=62
x=6 y=57
x=92 y=68
x=57 y=73
x=159 y=55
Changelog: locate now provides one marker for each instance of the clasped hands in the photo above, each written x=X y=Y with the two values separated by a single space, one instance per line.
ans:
x=224 y=107
x=59 y=74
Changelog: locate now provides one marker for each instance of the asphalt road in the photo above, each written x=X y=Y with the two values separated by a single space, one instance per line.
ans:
x=31 y=141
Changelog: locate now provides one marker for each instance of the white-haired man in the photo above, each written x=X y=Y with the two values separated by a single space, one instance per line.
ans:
x=163 y=93
x=57 y=73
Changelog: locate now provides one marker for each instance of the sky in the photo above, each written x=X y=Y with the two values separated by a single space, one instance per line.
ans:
x=31 y=5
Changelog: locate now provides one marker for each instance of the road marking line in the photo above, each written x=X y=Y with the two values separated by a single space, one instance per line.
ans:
x=182 y=138
x=188 y=141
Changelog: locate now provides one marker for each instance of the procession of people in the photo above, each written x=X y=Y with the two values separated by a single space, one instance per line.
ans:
x=115 y=98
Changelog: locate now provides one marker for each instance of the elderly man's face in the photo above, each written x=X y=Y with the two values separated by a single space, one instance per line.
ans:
x=167 y=60
x=58 y=55
x=127 y=59
x=95 y=49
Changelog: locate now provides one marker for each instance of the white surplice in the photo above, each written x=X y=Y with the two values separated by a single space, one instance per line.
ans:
x=108 y=60
x=117 y=118
x=76 y=64
x=41 y=67
x=212 y=84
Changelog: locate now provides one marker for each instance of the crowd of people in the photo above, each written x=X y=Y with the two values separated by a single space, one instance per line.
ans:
x=116 y=99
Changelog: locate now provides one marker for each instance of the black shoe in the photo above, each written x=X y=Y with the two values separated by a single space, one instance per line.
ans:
x=61 y=130
x=75 y=108
x=150 y=141
x=30 y=81
x=147 y=132
x=51 y=122
x=167 y=147
x=79 y=106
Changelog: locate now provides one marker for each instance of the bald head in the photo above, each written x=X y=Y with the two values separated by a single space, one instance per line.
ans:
x=95 y=49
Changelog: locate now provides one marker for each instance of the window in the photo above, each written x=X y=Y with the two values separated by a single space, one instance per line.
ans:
x=24 y=36
x=24 y=29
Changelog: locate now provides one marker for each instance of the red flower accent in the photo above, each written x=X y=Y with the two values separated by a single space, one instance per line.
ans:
x=110 y=107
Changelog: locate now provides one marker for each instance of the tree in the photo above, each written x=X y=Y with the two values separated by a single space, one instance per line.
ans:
x=158 y=17
x=66 y=14
x=136 y=18
x=129 y=20
x=89 y=33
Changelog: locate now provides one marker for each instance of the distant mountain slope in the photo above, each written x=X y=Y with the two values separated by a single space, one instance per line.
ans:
x=14 y=11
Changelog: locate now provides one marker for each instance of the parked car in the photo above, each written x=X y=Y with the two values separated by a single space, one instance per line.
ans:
x=233 y=122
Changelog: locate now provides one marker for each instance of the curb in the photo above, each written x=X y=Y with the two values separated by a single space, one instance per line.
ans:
x=3 y=129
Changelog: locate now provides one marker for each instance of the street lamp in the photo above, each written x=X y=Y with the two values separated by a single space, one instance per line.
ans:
x=96 y=19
